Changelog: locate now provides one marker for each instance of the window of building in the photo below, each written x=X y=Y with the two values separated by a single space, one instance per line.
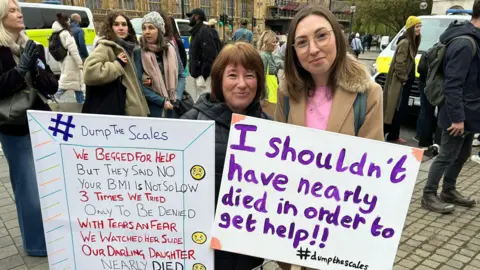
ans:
x=205 y=5
x=93 y=4
x=244 y=9
x=231 y=8
x=126 y=4
x=178 y=7
x=154 y=5
x=186 y=3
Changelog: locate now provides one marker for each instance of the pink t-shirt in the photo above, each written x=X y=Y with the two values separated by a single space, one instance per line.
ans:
x=318 y=108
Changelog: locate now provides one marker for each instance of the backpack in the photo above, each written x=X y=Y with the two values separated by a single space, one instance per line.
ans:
x=435 y=87
x=56 y=48
x=216 y=39
x=359 y=110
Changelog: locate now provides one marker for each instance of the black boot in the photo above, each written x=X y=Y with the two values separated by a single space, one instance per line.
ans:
x=453 y=196
x=432 y=202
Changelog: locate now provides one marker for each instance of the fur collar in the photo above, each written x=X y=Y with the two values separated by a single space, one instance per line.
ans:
x=355 y=77
x=109 y=43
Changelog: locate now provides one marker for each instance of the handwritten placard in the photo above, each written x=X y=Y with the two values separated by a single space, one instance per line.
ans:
x=124 y=192
x=313 y=198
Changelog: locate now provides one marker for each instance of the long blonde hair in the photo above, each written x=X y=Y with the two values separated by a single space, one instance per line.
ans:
x=6 y=38
x=266 y=37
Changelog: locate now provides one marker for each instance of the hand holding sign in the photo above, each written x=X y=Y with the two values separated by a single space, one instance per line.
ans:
x=303 y=195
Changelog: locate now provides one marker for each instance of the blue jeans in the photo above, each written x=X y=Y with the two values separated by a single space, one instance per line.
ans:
x=18 y=152
x=427 y=122
x=78 y=95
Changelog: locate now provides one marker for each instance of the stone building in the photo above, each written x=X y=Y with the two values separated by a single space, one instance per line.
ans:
x=272 y=14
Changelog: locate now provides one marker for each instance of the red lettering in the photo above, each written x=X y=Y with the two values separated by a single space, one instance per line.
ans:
x=100 y=154
x=173 y=240
x=134 y=197
x=164 y=157
x=89 y=237
x=82 y=156
x=113 y=198
x=151 y=198
x=87 y=250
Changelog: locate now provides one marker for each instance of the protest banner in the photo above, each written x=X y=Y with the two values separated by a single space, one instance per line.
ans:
x=124 y=192
x=313 y=198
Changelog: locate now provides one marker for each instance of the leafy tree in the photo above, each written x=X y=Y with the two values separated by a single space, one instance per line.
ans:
x=392 y=13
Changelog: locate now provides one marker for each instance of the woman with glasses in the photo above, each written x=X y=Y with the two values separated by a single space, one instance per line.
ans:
x=323 y=83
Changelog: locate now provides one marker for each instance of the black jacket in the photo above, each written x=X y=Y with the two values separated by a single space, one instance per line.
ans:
x=11 y=81
x=79 y=36
x=202 y=51
x=423 y=68
x=182 y=52
x=462 y=78
x=205 y=109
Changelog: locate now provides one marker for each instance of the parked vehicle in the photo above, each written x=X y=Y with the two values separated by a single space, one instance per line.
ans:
x=39 y=18
x=432 y=27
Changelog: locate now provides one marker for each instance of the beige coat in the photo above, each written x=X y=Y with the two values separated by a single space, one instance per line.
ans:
x=342 y=116
x=402 y=61
x=71 y=76
x=102 y=68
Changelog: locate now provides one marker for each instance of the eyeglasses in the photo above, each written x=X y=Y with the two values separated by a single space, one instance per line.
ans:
x=322 y=38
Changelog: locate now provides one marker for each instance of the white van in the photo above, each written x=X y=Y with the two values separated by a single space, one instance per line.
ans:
x=39 y=18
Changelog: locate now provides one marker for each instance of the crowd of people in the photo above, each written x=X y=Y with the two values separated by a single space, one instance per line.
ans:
x=311 y=81
x=449 y=122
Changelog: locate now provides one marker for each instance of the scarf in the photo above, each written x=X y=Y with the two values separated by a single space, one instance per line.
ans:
x=128 y=46
x=18 y=46
x=163 y=84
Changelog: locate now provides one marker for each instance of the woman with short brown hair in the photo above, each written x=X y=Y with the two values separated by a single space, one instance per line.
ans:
x=238 y=85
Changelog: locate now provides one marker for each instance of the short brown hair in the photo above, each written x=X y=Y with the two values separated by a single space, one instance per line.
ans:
x=296 y=77
x=239 y=53
x=107 y=28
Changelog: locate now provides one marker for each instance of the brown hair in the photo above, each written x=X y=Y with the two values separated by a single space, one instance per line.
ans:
x=297 y=79
x=62 y=19
x=173 y=26
x=107 y=28
x=412 y=38
x=239 y=53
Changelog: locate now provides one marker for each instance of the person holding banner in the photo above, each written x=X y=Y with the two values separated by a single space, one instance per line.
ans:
x=324 y=87
x=238 y=85
x=159 y=68
x=24 y=75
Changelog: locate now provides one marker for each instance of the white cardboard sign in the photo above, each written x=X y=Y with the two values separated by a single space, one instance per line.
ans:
x=313 y=198
x=124 y=192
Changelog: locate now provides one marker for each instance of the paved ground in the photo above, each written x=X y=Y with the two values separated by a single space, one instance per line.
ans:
x=429 y=241
x=432 y=241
